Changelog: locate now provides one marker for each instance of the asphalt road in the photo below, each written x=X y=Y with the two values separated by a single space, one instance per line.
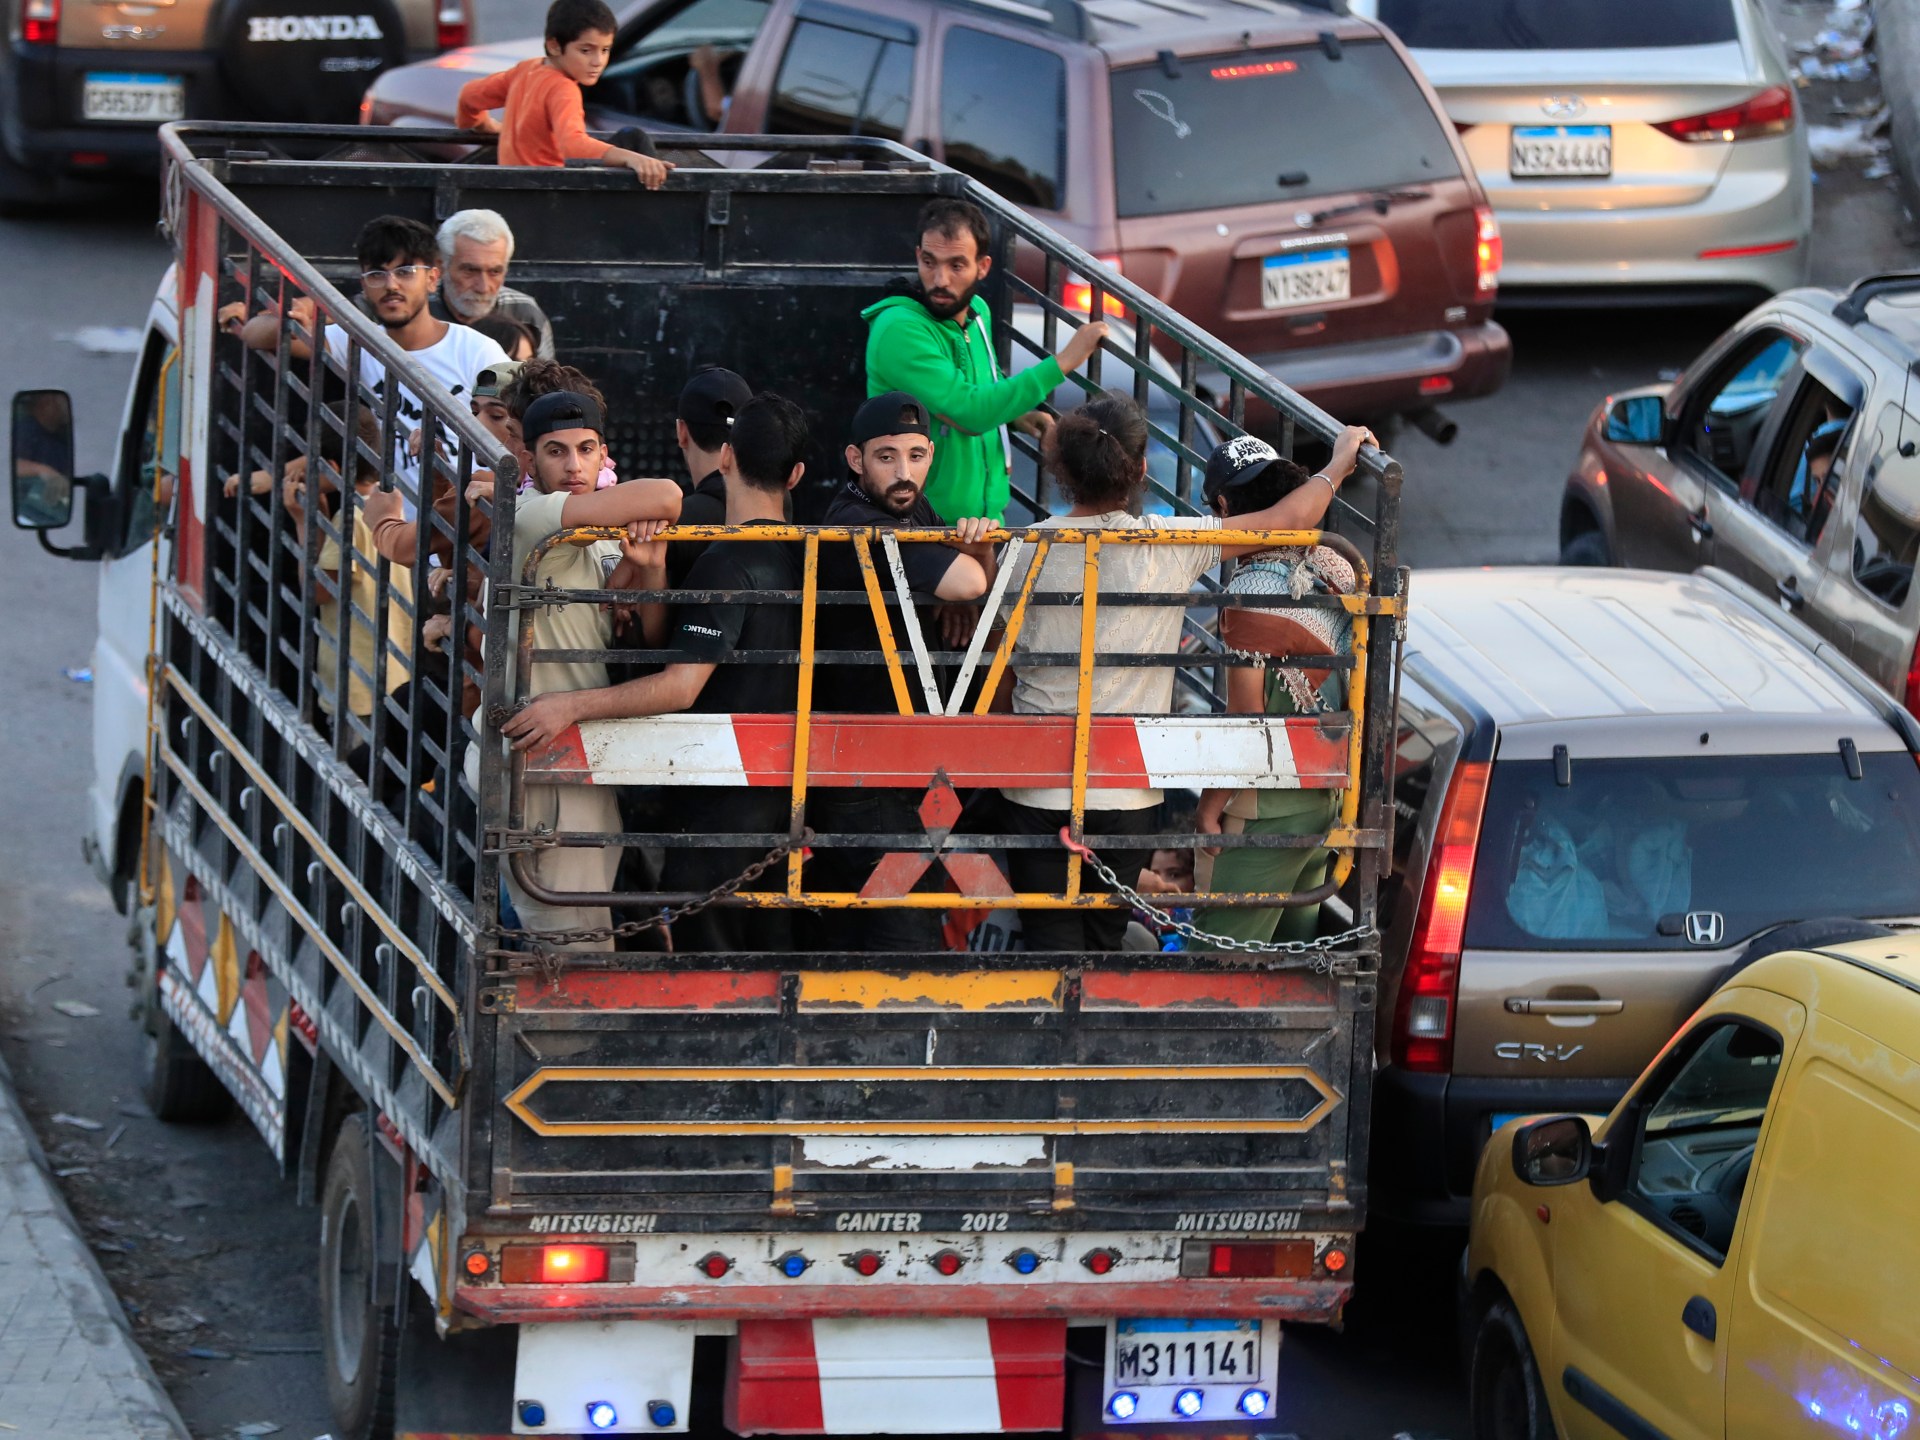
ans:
x=195 y=1226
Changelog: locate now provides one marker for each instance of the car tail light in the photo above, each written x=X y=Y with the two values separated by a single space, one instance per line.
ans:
x=1235 y=1260
x=1770 y=112
x=553 y=1264
x=1429 y=985
x=1077 y=292
x=451 y=25
x=40 y=22
x=1910 y=697
x=1488 y=251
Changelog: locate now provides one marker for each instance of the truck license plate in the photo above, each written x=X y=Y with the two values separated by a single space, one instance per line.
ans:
x=1165 y=1365
x=1561 y=150
x=133 y=97
x=1311 y=277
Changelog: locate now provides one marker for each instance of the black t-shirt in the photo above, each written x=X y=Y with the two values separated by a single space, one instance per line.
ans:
x=865 y=689
x=709 y=632
x=704 y=504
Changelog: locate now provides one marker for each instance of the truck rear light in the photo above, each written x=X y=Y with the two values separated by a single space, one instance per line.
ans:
x=1077 y=292
x=1435 y=384
x=793 y=1264
x=451 y=27
x=1429 y=985
x=866 y=1262
x=713 y=1265
x=40 y=22
x=553 y=1264
x=1771 y=112
x=948 y=1262
x=1254 y=1260
x=477 y=1263
x=1100 y=1262
x=1335 y=1258
x=1024 y=1262
x=1489 y=252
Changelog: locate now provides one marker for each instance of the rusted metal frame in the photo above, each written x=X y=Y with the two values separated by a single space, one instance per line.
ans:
x=1083 y=707
x=1015 y=621
x=803 y=716
x=883 y=627
x=903 y=840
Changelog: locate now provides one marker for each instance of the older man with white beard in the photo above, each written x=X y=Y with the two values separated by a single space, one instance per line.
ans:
x=476 y=246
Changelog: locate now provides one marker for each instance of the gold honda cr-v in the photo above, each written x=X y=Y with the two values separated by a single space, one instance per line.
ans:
x=1612 y=787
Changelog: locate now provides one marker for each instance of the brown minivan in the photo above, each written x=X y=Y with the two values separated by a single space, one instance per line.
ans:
x=1281 y=175
x=84 y=84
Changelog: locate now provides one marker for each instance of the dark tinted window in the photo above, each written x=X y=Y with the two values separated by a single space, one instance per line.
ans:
x=1758 y=840
x=1356 y=123
x=1886 y=533
x=1003 y=115
x=841 y=82
x=1558 y=24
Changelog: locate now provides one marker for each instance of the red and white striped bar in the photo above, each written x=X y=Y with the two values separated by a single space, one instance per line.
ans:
x=898 y=1377
x=1019 y=751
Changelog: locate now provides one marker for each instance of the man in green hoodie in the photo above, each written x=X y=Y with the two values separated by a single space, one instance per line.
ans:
x=936 y=343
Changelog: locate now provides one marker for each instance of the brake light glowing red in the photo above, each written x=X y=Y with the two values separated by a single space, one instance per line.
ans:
x=40 y=22
x=553 y=1264
x=1290 y=1259
x=451 y=26
x=1429 y=985
x=1245 y=72
x=1077 y=292
x=1771 y=112
x=1489 y=252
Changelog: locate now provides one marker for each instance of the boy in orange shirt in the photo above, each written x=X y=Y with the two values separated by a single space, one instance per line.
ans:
x=545 y=113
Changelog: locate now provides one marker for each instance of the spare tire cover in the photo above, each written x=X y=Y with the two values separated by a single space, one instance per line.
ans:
x=306 y=61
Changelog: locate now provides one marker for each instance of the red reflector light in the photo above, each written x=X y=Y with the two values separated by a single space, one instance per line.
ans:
x=1254 y=1260
x=1489 y=251
x=477 y=1262
x=87 y=157
x=1735 y=252
x=40 y=22
x=553 y=1264
x=1099 y=1261
x=867 y=1262
x=715 y=1265
x=1423 y=1014
x=948 y=1262
x=1335 y=1259
x=1771 y=112
x=1435 y=385
x=1247 y=72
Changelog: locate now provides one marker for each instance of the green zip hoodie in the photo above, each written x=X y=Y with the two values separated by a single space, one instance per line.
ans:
x=948 y=366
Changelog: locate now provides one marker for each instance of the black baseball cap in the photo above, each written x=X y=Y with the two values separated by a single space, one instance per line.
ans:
x=713 y=397
x=1236 y=462
x=562 y=410
x=894 y=413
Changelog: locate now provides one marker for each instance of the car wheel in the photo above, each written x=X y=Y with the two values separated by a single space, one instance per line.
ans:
x=1589 y=547
x=181 y=1088
x=1504 y=1393
x=359 y=1338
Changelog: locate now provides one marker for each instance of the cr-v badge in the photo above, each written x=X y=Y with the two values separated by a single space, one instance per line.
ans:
x=1706 y=927
x=1529 y=1050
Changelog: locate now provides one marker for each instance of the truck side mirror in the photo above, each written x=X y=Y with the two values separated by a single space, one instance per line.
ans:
x=1554 y=1151
x=43 y=482
x=1637 y=420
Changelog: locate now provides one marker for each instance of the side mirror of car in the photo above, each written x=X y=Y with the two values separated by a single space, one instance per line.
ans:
x=1637 y=420
x=1554 y=1151
x=42 y=459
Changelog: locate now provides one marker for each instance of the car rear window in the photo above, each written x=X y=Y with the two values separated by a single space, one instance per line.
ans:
x=1359 y=122
x=1624 y=856
x=1558 y=24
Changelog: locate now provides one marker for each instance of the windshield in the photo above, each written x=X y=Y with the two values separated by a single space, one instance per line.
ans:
x=1356 y=123
x=1558 y=24
x=1667 y=854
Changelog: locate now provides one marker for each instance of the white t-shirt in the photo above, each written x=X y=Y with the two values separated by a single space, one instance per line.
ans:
x=456 y=360
x=1119 y=629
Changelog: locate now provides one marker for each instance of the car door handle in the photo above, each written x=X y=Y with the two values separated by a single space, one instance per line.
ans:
x=1788 y=589
x=1699 y=1317
x=1702 y=527
x=1526 y=1005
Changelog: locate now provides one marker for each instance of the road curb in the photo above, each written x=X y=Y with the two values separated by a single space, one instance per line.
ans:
x=70 y=1368
x=1897 y=41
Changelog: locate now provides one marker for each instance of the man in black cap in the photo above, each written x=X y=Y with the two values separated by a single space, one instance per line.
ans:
x=889 y=452
x=704 y=418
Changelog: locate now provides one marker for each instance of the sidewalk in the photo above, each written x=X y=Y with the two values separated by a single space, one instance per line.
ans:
x=69 y=1367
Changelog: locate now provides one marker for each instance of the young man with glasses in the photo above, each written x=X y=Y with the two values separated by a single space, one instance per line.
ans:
x=399 y=270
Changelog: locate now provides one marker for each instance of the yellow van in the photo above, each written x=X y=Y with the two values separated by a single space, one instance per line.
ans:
x=1735 y=1251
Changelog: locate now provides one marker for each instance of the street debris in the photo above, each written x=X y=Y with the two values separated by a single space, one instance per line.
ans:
x=78 y=1122
x=114 y=1138
x=258 y=1427
x=207 y=1352
x=106 y=339
x=81 y=676
x=78 y=1009
x=177 y=1322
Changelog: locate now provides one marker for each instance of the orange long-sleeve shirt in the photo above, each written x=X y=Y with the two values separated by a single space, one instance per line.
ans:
x=546 y=120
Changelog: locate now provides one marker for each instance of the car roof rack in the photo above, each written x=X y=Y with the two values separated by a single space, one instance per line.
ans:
x=1851 y=308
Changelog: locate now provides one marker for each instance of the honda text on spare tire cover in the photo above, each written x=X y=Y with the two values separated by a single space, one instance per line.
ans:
x=83 y=87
